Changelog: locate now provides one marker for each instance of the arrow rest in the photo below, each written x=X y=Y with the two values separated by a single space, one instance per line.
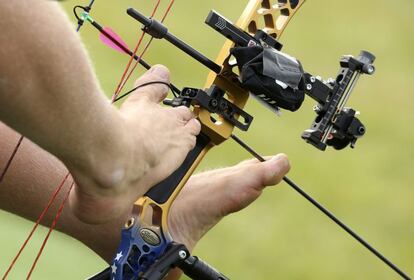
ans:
x=213 y=100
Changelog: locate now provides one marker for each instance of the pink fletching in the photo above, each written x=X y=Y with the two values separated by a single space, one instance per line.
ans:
x=107 y=41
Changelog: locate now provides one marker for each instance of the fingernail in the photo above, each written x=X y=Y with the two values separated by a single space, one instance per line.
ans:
x=279 y=157
x=160 y=71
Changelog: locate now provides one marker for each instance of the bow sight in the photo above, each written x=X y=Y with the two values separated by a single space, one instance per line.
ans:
x=277 y=80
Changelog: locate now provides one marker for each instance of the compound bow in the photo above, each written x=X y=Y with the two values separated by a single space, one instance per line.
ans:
x=274 y=78
x=249 y=64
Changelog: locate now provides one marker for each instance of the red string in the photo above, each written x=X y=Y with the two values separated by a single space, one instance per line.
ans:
x=53 y=225
x=42 y=215
x=157 y=5
x=145 y=49
x=117 y=91
x=135 y=66
x=168 y=10
x=11 y=158
x=124 y=77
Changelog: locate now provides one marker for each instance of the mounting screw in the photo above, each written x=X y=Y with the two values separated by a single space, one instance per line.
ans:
x=182 y=254
x=317 y=109
x=370 y=69
x=223 y=106
x=308 y=86
x=361 y=130
x=214 y=103
x=312 y=79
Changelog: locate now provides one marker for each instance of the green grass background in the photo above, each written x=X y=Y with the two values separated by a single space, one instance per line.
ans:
x=282 y=236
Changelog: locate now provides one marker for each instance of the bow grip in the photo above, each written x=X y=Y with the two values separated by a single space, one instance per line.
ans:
x=162 y=191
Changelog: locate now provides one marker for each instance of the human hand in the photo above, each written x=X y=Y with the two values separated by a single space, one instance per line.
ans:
x=167 y=134
x=210 y=196
x=158 y=140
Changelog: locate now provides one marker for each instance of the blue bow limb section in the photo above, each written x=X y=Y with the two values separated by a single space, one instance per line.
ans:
x=140 y=247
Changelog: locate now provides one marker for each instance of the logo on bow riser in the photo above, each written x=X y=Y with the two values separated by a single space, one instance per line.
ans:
x=150 y=236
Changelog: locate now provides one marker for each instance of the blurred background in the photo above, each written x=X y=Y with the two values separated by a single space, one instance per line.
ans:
x=282 y=236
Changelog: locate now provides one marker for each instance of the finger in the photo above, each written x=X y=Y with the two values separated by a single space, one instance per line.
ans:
x=274 y=169
x=154 y=92
x=193 y=126
x=183 y=113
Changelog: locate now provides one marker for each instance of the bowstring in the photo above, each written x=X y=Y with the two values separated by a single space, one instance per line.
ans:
x=51 y=228
x=42 y=215
x=125 y=76
x=115 y=98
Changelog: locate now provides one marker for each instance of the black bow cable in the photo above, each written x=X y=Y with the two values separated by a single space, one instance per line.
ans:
x=170 y=86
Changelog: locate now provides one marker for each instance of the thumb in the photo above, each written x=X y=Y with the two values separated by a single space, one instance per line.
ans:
x=269 y=173
x=154 y=92
x=274 y=169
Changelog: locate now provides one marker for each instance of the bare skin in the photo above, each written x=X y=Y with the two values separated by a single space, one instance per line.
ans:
x=205 y=199
x=115 y=156
x=54 y=99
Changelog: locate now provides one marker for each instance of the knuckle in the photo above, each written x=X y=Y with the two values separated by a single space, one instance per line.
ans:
x=183 y=111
